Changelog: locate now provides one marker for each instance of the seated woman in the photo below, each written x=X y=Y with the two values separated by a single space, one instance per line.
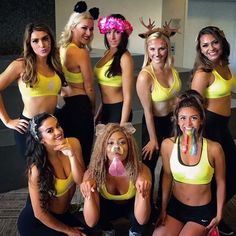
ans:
x=54 y=167
x=189 y=162
x=116 y=183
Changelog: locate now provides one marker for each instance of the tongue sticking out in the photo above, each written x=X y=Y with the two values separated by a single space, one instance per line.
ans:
x=116 y=168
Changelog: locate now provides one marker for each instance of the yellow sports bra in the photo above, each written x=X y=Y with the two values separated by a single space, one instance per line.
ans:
x=71 y=77
x=63 y=185
x=100 y=73
x=45 y=86
x=201 y=173
x=220 y=87
x=160 y=93
x=130 y=193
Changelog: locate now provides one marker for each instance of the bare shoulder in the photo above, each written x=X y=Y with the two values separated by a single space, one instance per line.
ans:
x=214 y=146
x=126 y=58
x=201 y=76
x=144 y=74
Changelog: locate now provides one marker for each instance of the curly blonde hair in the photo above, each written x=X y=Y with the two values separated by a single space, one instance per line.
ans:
x=98 y=165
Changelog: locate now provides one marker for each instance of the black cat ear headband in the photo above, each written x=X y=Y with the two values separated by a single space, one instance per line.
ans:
x=81 y=6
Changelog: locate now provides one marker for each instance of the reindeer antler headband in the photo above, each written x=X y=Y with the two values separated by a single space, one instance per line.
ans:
x=166 y=29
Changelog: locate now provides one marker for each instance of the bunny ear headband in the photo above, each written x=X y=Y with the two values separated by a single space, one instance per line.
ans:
x=166 y=29
x=81 y=6
x=100 y=128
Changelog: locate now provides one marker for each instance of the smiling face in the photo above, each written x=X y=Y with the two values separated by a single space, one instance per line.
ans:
x=40 y=42
x=211 y=47
x=113 y=38
x=51 y=132
x=189 y=119
x=157 y=50
x=117 y=146
x=83 y=32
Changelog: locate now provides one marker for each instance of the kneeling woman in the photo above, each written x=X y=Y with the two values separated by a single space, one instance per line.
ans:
x=123 y=182
x=54 y=167
x=189 y=162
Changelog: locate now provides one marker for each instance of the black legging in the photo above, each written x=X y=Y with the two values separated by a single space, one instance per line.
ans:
x=28 y=224
x=111 y=113
x=110 y=210
x=163 y=129
x=216 y=128
x=20 y=140
x=76 y=119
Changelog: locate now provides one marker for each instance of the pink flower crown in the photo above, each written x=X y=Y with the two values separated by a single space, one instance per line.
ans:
x=106 y=24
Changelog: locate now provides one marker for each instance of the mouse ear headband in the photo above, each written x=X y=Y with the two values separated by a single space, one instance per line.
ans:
x=81 y=6
x=100 y=128
x=166 y=29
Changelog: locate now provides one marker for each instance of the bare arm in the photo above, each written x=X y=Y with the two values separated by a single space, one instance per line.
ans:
x=143 y=87
x=11 y=74
x=127 y=67
x=71 y=148
x=91 y=200
x=142 y=207
x=43 y=215
x=87 y=72
x=216 y=154
x=200 y=82
x=166 y=149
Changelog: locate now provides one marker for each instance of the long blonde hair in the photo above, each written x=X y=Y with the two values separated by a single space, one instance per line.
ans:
x=74 y=20
x=98 y=163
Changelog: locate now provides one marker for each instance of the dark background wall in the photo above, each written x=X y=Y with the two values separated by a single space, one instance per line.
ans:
x=15 y=15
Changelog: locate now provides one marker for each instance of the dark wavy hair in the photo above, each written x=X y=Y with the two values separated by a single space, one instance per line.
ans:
x=189 y=98
x=53 y=59
x=201 y=61
x=115 y=68
x=36 y=155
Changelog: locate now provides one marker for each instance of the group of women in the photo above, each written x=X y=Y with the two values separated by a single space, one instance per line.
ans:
x=57 y=140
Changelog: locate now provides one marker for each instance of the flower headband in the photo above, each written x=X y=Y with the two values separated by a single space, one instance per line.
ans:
x=81 y=6
x=166 y=29
x=100 y=128
x=106 y=24
x=33 y=129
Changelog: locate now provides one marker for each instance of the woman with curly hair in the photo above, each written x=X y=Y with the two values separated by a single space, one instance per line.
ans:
x=114 y=71
x=39 y=77
x=116 y=183
x=54 y=167
x=76 y=116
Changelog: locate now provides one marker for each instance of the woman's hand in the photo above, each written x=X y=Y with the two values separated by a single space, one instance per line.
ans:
x=161 y=219
x=143 y=187
x=66 y=148
x=87 y=187
x=75 y=231
x=214 y=222
x=149 y=149
x=20 y=125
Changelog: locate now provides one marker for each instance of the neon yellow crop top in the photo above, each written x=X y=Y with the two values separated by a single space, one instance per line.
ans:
x=201 y=173
x=63 y=185
x=220 y=87
x=160 y=93
x=100 y=73
x=45 y=86
x=130 y=193
x=71 y=77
